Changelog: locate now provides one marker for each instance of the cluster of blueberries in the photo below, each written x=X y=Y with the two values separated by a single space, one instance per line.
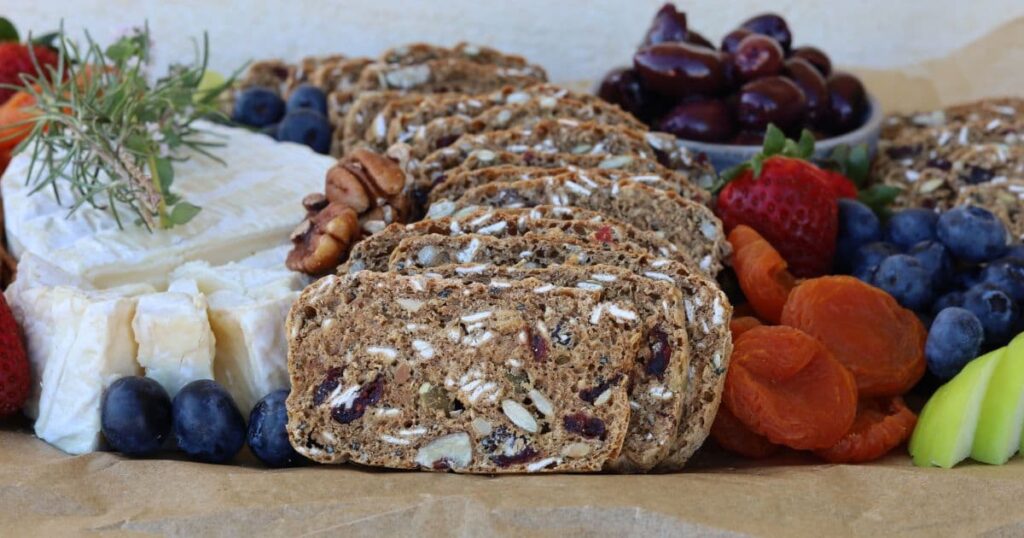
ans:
x=303 y=119
x=138 y=416
x=956 y=269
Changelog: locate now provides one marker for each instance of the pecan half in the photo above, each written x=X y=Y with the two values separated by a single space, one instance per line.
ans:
x=363 y=193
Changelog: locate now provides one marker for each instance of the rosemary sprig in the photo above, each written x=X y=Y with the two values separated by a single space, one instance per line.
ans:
x=111 y=136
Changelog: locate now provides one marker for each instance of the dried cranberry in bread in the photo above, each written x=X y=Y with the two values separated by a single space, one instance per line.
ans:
x=659 y=374
x=440 y=374
x=707 y=309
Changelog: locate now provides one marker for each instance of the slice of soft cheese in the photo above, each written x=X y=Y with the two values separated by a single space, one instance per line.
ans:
x=945 y=429
x=247 y=311
x=34 y=275
x=176 y=344
x=91 y=346
x=249 y=203
x=1001 y=420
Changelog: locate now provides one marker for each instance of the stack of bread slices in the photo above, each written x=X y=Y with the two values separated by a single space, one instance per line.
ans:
x=556 y=310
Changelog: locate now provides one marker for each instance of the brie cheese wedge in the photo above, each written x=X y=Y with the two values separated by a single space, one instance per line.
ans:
x=250 y=202
x=91 y=345
x=176 y=344
x=247 y=311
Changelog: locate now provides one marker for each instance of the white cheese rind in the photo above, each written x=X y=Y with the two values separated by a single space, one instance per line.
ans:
x=176 y=344
x=91 y=346
x=250 y=203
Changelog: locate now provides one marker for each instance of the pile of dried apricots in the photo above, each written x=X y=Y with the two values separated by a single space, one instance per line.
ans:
x=820 y=365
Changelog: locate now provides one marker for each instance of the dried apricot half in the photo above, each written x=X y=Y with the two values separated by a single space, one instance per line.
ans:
x=762 y=273
x=15 y=117
x=741 y=325
x=785 y=385
x=882 y=424
x=734 y=436
x=878 y=340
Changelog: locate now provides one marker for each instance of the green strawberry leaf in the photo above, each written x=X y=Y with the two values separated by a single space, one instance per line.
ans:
x=757 y=164
x=805 y=147
x=859 y=165
x=8 y=32
x=774 y=140
x=46 y=40
x=879 y=198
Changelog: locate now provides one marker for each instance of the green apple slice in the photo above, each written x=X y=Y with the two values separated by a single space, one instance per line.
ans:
x=1002 y=410
x=945 y=430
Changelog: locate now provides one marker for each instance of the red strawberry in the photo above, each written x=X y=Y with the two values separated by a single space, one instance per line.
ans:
x=792 y=205
x=14 y=372
x=16 y=59
x=841 y=185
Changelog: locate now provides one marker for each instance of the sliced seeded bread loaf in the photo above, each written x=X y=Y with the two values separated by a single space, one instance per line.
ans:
x=455 y=185
x=441 y=132
x=373 y=252
x=699 y=172
x=549 y=136
x=417 y=53
x=706 y=307
x=659 y=375
x=404 y=125
x=689 y=225
x=439 y=374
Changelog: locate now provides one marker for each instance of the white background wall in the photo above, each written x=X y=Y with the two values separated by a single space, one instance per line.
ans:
x=574 y=39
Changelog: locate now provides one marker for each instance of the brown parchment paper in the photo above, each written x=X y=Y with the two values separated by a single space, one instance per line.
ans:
x=44 y=492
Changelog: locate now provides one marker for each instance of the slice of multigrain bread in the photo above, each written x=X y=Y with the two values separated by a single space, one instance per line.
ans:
x=659 y=375
x=707 y=309
x=373 y=252
x=441 y=374
x=456 y=184
x=691 y=226
x=440 y=132
x=548 y=136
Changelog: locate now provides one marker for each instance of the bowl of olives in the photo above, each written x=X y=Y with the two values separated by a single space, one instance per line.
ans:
x=719 y=100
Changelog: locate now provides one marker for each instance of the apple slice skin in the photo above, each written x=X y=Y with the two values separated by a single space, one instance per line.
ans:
x=945 y=429
x=1001 y=421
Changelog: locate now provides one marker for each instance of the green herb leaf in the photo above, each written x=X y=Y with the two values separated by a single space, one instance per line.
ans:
x=165 y=173
x=774 y=140
x=879 y=198
x=8 y=32
x=182 y=213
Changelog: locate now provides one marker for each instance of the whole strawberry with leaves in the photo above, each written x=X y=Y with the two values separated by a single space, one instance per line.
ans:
x=789 y=200
x=14 y=369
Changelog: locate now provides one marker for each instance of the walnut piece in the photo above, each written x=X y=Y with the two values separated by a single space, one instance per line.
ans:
x=363 y=193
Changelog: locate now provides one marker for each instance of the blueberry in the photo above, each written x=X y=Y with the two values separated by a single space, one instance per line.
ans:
x=972 y=234
x=936 y=260
x=268 y=438
x=996 y=311
x=867 y=258
x=903 y=277
x=955 y=340
x=966 y=277
x=1016 y=251
x=911 y=226
x=858 y=225
x=953 y=298
x=307 y=127
x=135 y=415
x=207 y=424
x=1008 y=274
x=307 y=96
x=257 y=107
